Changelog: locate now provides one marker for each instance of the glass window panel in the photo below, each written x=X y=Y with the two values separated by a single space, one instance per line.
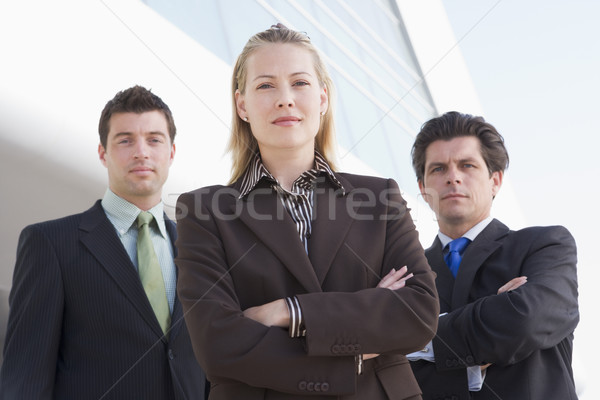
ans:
x=366 y=42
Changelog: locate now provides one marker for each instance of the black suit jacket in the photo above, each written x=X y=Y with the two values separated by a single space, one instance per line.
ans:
x=527 y=334
x=81 y=326
x=239 y=253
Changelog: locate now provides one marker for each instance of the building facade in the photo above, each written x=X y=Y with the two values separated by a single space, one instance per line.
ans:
x=395 y=64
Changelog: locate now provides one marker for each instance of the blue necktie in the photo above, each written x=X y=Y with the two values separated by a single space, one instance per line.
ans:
x=456 y=249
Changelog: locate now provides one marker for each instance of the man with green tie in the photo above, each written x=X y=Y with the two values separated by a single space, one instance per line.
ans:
x=93 y=306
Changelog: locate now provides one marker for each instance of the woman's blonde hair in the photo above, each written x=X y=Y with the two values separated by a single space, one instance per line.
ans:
x=242 y=143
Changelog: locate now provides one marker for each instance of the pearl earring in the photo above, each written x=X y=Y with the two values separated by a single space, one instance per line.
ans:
x=246 y=119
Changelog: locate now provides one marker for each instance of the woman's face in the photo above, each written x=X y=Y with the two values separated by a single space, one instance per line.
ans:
x=283 y=100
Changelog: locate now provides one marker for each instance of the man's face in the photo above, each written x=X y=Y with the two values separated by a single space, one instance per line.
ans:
x=457 y=184
x=138 y=155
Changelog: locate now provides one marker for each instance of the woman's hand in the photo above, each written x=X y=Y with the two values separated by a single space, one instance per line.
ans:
x=275 y=313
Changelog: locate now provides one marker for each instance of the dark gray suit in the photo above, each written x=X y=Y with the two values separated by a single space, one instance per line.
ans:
x=526 y=334
x=81 y=326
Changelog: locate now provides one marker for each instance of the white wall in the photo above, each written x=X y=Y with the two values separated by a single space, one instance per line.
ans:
x=62 y=61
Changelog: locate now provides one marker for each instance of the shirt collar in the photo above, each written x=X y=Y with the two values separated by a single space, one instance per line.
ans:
x=257 y=171
x=123 y=214
x=471 y=234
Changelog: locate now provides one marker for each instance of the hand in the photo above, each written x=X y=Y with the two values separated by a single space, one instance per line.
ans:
x=275 y=313
x=513 y=284
x=368 y=356
x=395 y=279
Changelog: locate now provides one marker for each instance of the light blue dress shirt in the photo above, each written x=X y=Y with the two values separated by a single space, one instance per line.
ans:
x=122 y=214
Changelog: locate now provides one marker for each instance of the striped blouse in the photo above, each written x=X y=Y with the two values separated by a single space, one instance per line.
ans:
x=298 y=202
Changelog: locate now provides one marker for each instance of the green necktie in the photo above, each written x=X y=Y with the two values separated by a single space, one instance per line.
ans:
x=150 y=272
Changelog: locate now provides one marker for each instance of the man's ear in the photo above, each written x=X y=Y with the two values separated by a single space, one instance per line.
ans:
x=496 y=182
x=430 y=196
x=421 y=187
x=102 y=154
x=172 y=153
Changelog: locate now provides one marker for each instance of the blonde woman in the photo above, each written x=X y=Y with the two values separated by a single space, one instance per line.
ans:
x=280 y=273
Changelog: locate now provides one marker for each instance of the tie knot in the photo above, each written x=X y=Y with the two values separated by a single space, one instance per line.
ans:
x=144 y=218
x=459 y=245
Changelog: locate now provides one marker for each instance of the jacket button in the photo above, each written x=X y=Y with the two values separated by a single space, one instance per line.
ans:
x=171 y=354
x=470 y=359
x=302 y=385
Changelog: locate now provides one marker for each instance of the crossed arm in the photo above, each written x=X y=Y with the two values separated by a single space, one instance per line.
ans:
x=276 y=312
x=510 y=285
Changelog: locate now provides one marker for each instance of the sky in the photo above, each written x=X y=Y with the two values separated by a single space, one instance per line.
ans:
x=536 y=69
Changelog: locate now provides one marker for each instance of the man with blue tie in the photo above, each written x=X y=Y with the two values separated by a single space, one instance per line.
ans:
x=508 y=299
x=93 y=307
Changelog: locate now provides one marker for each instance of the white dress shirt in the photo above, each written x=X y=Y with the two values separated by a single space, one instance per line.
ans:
x=474 y=374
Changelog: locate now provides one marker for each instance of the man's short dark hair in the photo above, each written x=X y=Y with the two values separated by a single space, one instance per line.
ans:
x=136 y=99
x=452 y=125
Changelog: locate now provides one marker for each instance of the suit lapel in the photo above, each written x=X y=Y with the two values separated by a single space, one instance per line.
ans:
x=484 y=245
x=99 y=237
x=331 y=222
x=264 y=214
x=444 y=279
x=177 y=315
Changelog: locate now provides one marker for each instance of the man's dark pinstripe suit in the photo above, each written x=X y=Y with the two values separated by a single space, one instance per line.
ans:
x=81 y=326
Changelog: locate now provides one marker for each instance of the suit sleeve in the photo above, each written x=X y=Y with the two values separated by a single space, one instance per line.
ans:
x=35 y=320
x=400 y=321
x=505 y=329
x=230 y=347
